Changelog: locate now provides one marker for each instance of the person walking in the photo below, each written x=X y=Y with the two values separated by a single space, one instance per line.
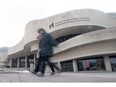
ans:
x=46 y=44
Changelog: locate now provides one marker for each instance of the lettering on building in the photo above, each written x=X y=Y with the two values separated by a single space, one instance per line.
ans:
x=70 y=20
x=51 y=25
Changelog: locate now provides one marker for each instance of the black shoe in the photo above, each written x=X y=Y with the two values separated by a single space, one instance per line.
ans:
x=33 y=72
x=52 y=73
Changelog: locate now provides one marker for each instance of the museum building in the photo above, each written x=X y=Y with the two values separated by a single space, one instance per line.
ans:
x=87 y=42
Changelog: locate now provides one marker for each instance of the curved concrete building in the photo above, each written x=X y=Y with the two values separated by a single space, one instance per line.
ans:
x=3 y=59
x=87 y=40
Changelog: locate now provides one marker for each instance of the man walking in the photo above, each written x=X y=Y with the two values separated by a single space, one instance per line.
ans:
x=46 y=43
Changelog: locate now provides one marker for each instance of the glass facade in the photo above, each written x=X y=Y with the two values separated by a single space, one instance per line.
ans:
x=30 y=59
x=14 y=62
x=66 y=66
x=91 y=64
x=113 y=63
x=64 y=38
x=21 y=62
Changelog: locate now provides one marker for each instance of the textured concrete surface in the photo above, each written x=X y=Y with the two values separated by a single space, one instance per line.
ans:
x=26 y=76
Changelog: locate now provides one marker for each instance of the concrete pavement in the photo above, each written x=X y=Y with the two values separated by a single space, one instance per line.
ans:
x=26 y=76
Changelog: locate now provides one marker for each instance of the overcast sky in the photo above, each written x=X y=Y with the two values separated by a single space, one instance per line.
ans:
x=15 y=14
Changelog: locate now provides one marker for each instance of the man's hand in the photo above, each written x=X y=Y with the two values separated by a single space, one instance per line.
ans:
x=39 y=36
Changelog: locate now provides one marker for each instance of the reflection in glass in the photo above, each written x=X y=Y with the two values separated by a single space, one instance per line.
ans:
x=22 y=62
x=91 y=64
x=30 y=59
x=66 y=37
x=14 y=63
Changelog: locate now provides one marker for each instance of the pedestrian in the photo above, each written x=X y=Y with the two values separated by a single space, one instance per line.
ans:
x=46 y=44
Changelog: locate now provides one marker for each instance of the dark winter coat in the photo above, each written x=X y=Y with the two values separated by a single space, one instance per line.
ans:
x=46 y=44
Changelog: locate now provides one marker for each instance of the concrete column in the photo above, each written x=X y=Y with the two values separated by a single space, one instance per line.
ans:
x=26 y=62
x=17 y=62
x=107 y=63
x=34 y=60
x=31 y=67
x=37 y=54
x=75 y=68
x=10 y=63
x=59 y=65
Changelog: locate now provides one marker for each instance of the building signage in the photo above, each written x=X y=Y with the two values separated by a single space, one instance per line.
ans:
x=70 y=20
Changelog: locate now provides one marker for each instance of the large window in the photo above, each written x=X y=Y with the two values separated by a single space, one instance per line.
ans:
x=14 y=63
x=66 y=66
x=22 y=62
x=64 y=38
x=30 y=59
x=91 y=64
x=113 y=63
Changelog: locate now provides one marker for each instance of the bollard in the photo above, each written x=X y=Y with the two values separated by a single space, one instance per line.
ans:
x=31 y=67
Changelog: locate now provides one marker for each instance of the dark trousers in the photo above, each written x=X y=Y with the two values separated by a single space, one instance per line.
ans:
x=38 y=64
x=41 y=64
x=45 y=59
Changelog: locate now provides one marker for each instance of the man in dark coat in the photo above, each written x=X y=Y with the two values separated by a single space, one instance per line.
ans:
x=46 y=43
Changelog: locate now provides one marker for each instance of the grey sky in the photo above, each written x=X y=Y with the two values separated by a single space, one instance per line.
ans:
x=15 y=14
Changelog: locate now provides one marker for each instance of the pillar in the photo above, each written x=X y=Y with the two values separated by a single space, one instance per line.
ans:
x=59 y=65
x=10 y=63
x=17 y=62
x=75 y=68
x=107 y=63
x=34 y=60
x=25 y=62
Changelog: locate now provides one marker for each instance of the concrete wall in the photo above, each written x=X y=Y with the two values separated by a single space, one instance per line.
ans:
x=3 y=59
x=97 y=35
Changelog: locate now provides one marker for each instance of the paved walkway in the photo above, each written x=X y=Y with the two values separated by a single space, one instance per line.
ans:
x=26 y=76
